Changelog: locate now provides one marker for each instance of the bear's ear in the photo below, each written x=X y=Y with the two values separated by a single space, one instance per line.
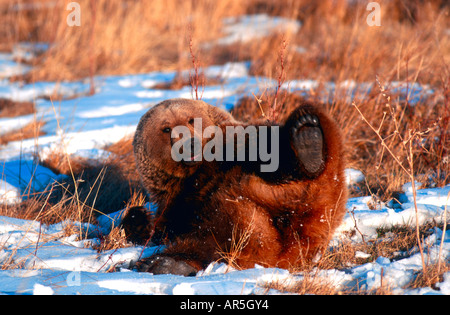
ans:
x=220 y=116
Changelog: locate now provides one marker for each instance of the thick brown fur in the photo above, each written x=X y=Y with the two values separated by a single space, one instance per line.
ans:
x=279 y=219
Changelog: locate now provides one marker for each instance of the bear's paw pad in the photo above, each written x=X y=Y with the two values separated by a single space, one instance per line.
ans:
x=308 y=143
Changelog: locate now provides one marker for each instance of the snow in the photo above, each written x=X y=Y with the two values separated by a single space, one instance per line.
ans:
x=9 y=194
x=22 y=177
x=52 y=263
x=430 y=208
x=40 y=259
x=11 y=124
x=9 y=68
x=353 y=176
x=248 y=27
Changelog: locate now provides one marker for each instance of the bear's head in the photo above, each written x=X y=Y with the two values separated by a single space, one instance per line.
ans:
x=170 y=128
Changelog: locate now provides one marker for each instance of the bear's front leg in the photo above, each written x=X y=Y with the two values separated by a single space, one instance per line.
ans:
x=137 y=224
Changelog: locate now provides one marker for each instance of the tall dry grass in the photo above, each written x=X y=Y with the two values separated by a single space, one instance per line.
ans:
x=114 y=36
x=139 y=36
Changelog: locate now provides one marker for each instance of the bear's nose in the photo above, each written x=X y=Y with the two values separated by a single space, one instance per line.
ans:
x=193 y=144
x=192 y=149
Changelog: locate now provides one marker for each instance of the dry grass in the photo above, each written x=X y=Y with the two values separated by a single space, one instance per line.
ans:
x=29 y=131
x=39 y=207
x=10 y=108
x=239 y=240
x=310 y=284
x=107 y=186
x=114 y=240
x=393 y=243
x=133 y=36
x=433 y=275
x=116 y=37
x=91 y=188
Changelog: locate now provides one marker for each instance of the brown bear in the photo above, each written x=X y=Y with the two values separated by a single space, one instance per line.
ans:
x=230 y=209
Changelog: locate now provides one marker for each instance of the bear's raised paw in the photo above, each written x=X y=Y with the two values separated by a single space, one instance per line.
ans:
x=307 y=140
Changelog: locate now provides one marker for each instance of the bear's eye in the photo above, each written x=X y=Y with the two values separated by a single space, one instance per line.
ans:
x=191 y=121
x=166 y=130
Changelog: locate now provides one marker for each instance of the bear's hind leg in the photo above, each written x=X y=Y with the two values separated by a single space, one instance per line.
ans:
x=163 y=264
x=308 y=143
